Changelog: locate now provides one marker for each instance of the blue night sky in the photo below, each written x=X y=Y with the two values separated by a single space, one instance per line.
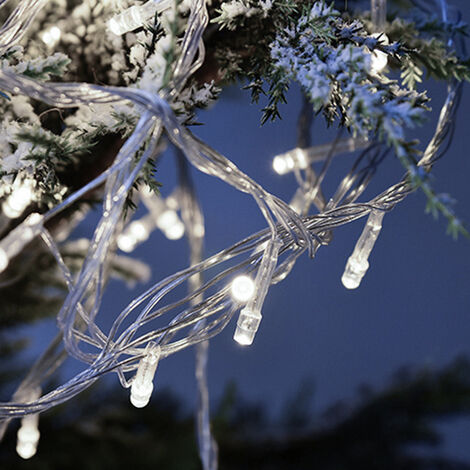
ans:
x=412 y=308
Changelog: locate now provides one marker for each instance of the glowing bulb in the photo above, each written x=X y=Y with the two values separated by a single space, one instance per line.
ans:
x=126 y=243
x=28 y=434
x=247 y=326
x=282 y=164
x=167 y=219
x=3 y=260
x=142 y=384
x=358 y=263
x=18 y=200
x=28 y=437
x=242 y=288
x=132 y=18
x=19 y=237
x=250 y=316
x=52 y=36
x=354 y=272
x=138 y=230
x=175 y=232
x=379 y=59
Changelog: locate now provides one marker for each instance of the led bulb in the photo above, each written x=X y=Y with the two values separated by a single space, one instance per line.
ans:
x=354 y=272
x=132 y=18
x=175 y=232
x=379 y=59
x=27 y=437
x=21 y=197
x=142 y=384
x=358 y=263
x=242 y=288
x=3 y=260
x=247 y=326
x=250 y=316
x=28 y=433
x=126 y=243
x=282 y=164
x=51 y=36
x=139 y=231
x=19 y=237
x=166 y=219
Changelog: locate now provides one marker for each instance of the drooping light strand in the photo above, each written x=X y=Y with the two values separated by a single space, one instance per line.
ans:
x=27 y=438
x=17 y=239
x=142 y=384
x=250 y=316
x=300 y=159
x=358 y=264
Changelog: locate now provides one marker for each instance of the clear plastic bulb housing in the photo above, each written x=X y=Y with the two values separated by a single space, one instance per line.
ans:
x=142 y=384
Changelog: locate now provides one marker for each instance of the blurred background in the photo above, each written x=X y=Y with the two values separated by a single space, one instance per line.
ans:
x=372 y=378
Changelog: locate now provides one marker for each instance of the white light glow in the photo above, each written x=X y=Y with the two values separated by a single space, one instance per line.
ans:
x=379 y=60
x=282 y=164
x=167 y=219
x=243 y=288
x=126 y=243
x=142 y=384
x=27 y=439
x=247 y=326
x=138 y=230
x=51 y=36
x=175 y=232
x=3 y=260
x=21 y=197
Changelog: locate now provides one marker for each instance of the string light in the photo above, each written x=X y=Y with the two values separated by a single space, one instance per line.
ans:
x=142 y=384
x=358 y=263
x=198 y=317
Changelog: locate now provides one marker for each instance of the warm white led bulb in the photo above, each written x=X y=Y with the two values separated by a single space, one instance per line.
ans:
x=379 y=60
x=142 y=384
x=243 y=288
